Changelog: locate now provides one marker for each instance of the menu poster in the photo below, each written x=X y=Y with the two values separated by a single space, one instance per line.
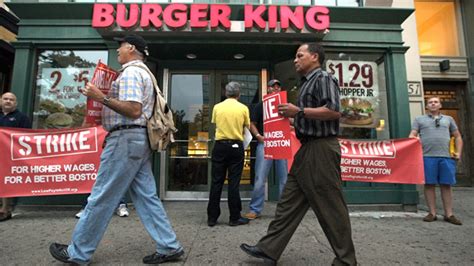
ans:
x=358 y=81
x=61 y=105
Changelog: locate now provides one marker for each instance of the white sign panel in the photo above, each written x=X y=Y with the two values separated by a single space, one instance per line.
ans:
x=63 y=84
x=358 y=81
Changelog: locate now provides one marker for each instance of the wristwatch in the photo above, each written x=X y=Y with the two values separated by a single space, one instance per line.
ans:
x=301 y=112
x=106 y=100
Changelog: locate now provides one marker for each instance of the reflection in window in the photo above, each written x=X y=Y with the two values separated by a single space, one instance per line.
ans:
x=188 y=155
x=248 y=90
x=249 y=95
x=61 y=73
x=437 y=28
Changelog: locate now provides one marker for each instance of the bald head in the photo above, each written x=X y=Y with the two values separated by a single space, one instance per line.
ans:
x=8 y=102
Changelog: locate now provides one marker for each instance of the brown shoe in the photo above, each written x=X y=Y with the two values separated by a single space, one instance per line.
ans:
x=430 y=218
x=453 y=220
x=251 y=215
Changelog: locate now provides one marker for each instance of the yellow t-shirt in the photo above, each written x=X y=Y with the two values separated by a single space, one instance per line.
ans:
x=230 y=117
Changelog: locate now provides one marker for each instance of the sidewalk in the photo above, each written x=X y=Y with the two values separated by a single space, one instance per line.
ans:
x=381 y=238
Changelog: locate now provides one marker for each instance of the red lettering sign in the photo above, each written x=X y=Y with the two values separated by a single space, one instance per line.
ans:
x=49 y=162
x=277 y=143
x=220 y=16
x=202 y=16
x=103 y=78
x=381 y=161
x=103 y=15
x=150 y=13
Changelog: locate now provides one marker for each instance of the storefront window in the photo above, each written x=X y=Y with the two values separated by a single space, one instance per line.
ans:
x=361 y=78
x=61 y=73
x=437 y=27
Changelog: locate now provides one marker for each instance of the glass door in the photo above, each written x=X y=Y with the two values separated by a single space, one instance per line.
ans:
x=250 y=96
x=192 y=95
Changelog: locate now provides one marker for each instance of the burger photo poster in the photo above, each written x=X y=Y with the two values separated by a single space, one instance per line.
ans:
x=359 y=92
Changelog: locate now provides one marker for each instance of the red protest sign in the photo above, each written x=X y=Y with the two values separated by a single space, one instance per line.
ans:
x=49 y=162
x=276 y=128
x=380 y=161
x=103 y=78
x=385 y=161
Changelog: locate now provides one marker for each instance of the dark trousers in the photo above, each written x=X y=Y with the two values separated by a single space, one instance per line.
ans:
x=227 y=158
x=314 y=181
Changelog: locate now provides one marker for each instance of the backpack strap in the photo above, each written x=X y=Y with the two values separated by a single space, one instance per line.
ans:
x=155 y=83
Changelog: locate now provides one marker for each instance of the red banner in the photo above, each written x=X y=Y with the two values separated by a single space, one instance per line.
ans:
x=276 y=128
x=381 y=161
x=385 y=161
x=103 y=78
x=49 y=162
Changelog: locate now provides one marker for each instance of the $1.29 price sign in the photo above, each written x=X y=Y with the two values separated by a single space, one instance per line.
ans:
x=356 y=78
x=358 y=82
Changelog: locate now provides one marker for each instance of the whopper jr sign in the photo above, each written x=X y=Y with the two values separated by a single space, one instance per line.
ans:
x=49 y=162
x=359 y=86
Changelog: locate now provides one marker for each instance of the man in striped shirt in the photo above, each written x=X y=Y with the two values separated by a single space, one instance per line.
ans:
x=315 y=176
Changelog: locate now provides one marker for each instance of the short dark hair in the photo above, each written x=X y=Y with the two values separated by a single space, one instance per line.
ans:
x=316 y=48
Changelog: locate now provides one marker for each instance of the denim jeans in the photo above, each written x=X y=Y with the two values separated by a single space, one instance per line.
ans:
x=123 y=200
x=262 y=168
x=125 y=163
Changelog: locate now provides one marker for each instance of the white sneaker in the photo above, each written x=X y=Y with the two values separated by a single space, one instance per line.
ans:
x=122 y=210
x=79 y=214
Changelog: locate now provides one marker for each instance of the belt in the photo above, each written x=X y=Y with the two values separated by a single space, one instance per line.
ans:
x=231 y=141
x=125 y=127
x=304 y=140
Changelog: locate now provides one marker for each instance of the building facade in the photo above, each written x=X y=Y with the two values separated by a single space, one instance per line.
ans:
x=195 y=51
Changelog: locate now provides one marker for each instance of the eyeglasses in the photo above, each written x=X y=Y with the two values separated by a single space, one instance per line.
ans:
x=437 y=122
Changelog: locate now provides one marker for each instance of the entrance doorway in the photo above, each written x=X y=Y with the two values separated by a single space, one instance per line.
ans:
x=192 y=95
x=452 y=98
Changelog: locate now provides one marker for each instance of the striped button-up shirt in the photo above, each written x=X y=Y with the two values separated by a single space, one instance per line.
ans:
x=318 y=89
x=135 y=85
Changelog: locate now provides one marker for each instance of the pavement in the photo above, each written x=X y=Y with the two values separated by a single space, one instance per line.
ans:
x=380 y=237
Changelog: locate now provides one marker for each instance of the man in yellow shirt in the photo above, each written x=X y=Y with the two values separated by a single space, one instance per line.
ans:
x=230 y=117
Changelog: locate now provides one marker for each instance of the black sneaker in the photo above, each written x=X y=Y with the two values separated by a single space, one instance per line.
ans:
x=211 y=222
x=240 y=221
x=59 y=252
x=158 y=258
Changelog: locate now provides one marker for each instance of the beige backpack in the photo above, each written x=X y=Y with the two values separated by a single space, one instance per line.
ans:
x=160 y=125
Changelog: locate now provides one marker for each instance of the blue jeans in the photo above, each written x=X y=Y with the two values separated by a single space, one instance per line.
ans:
x=125 y=163
x=123 y=200
x=262 y=168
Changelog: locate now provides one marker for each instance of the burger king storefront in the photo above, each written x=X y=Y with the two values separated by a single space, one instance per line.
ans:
x=195 y=49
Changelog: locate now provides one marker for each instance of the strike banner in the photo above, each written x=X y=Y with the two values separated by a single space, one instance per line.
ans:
x=386 y=161
x=397 y=161
x=49 y=162
x=277 y=138
x=103 y=78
